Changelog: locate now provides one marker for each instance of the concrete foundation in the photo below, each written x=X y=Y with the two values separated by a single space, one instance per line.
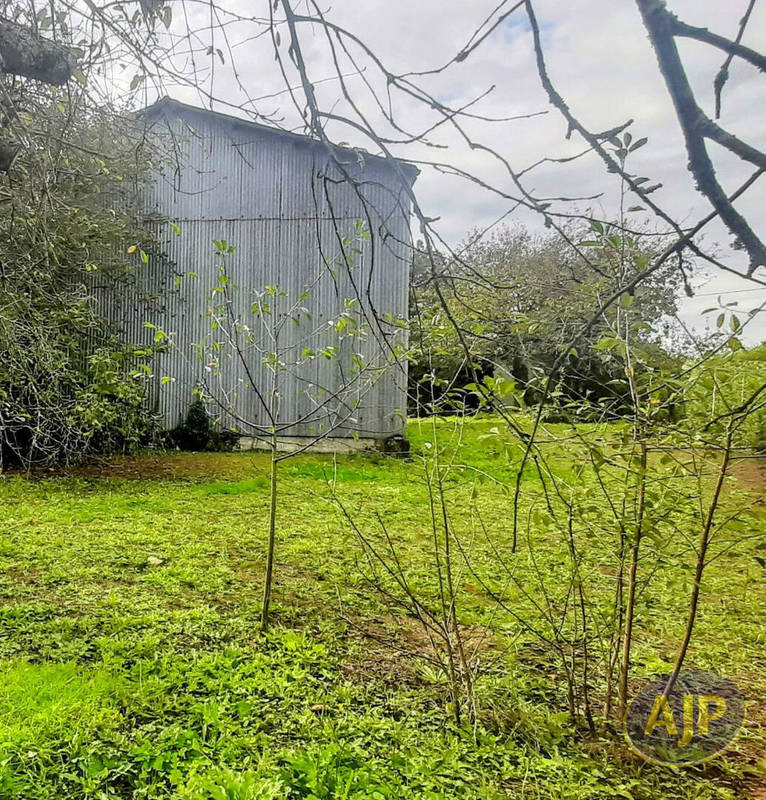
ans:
x=393 y=445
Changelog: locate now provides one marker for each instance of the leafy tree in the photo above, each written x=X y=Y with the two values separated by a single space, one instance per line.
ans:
x=68 y=386
x=723 y=386
x=515 y=301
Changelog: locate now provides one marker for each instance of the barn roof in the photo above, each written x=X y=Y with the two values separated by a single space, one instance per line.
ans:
x=167 y=105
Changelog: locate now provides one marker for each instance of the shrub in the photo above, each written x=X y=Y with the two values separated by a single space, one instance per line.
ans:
x=68 y=385
x=196 y=432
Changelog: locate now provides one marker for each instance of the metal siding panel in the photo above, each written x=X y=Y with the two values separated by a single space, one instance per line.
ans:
x=273 y=198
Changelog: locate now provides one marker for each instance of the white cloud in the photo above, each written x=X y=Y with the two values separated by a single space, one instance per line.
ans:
x=599 y=58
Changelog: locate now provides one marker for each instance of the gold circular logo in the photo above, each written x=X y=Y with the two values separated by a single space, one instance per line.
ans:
x=698 y=719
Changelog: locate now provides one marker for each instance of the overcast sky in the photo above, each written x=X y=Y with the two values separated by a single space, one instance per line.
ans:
x=600 y=60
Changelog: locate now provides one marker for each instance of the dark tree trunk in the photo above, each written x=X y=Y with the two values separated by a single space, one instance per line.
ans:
x=8 y=153
x=29 y=56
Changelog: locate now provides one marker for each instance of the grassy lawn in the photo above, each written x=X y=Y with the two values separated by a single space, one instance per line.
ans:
x=133 y=667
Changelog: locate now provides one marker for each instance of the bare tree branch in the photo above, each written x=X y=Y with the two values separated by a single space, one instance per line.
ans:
x=696 y=126
x=723 y=73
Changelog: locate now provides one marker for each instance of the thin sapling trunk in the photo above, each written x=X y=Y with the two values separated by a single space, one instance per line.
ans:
x=272 y=533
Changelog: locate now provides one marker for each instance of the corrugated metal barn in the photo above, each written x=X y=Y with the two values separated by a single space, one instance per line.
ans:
x=328 y=226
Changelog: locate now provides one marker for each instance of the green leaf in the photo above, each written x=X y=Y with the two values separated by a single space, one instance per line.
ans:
x=627 y=300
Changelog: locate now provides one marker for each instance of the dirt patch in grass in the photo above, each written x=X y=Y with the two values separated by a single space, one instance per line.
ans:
x=751 y=472
x=756 y=790
x=397 y=651
x=750 y=753
x=164 y=466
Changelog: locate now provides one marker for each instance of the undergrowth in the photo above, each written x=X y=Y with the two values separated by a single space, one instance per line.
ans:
x=132 y=666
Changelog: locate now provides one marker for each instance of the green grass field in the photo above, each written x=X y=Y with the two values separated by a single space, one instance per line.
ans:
x=133 y=667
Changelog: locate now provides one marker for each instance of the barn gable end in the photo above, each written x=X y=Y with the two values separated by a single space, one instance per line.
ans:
x=332 y=226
